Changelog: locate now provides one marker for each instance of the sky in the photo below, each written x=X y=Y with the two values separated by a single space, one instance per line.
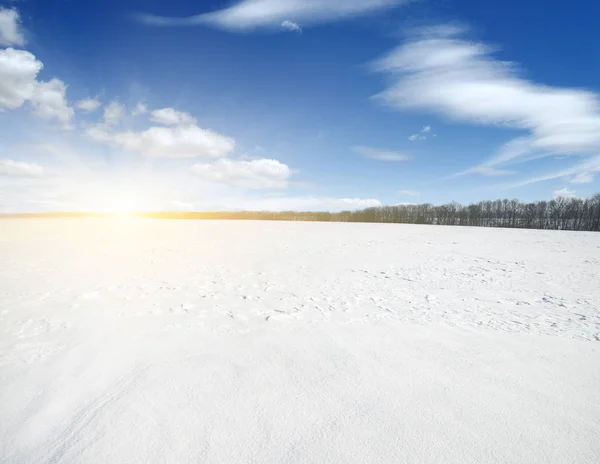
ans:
x=288 y=105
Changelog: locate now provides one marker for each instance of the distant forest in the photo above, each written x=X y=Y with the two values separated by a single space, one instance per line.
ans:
x=557 y=214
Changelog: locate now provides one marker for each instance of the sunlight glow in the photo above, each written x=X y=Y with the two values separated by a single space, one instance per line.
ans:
x=119 y=200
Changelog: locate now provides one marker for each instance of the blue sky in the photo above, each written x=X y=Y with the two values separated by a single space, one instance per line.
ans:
x=278 y=104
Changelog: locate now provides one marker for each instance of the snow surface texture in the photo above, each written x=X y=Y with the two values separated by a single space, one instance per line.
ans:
x=139 y=340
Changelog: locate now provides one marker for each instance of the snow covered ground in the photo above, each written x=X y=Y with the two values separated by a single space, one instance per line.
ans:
x=139 y=340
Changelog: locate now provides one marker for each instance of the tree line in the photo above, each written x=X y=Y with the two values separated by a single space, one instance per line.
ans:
x=557 y=214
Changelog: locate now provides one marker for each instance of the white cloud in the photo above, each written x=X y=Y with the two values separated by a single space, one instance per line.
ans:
x=565 y=193
x=409 y=193
x=487 y=171
x=18 y=77
x=291 y=26
x=171 y=117
x=20 y=169
x=307 y=203
x=88 y=104
x=50 y=102
x=260 y=174
x=381 y=155
x=10 y=33
x=19 y=84
x=166 y=142
x=252 y=14
x=113 y=113
x=585 y=168
x=463 y=81
x=139 y=109
x=583 y=178
x=423 y=134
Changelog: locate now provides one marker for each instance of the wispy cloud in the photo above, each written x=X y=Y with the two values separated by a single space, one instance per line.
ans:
x=10 y=28
x=254 y=14
x=423 y=134
x=381 y=154
x=581 y=171
x=409 y=193
x=305 y=203
x=583 y=178
x=439 y=71
x=483 y=170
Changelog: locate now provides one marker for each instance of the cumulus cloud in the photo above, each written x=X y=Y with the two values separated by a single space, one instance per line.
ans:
x=166 y=142
x=18 y=77
x=19 y=84
x=13 y=168
x=409 y=193
x=259 y=174
x=10 y=28
x=438 y=71
x=50 y=102
x=88 y=105
x=291 y=26
x=139 y=109
x=565 y=193
x=171 y=117
x=253 y=14
x=381 y=155
x=113 y=113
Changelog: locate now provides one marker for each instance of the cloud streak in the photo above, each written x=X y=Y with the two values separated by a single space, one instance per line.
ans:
x=307 y=203
x=381 y=154
x=254 y=14
x=583 y=171
x=438 y=71
x=409 y=193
